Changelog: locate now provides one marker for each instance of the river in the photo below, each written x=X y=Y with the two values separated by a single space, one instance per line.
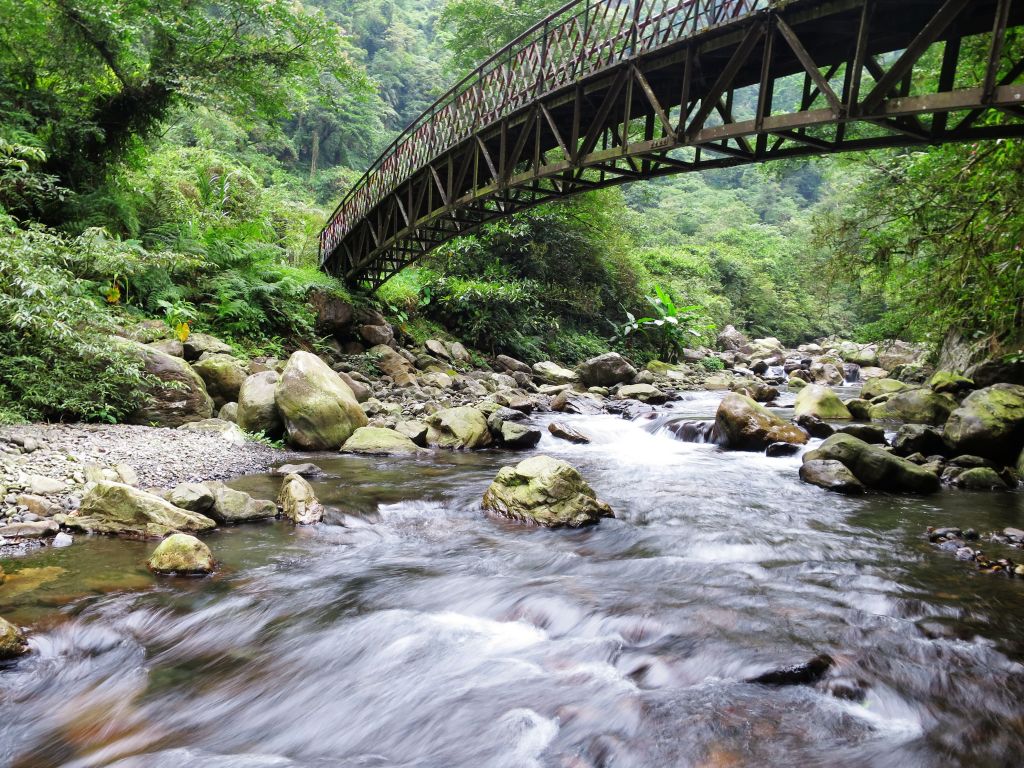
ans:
x=413 y=631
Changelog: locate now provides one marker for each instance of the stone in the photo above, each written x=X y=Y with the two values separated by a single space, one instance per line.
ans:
x=990 y=423
x=232 y=506
x=872 y=372
x=544 y=491
x=40 y=485
x=859 y=409
x=257 y=405
x=414 y=430
x=305 y=470
x=359 y=389
x=645 y=393
x=814 y=426
x=121 y=510
x=980 y=479
x=228 y=431
x=223 y=376
x=875 y=387
x=437 y=379
x=816 y=400
x=171 y=347
x=894 y=352
x=460 y=428
x=874 y=466
x=228 y=412
x=177 y=396
x=915 y=406
x=781 y=449
x=38 y=505
x=181 y=554
x=606 y=370
x=378 y=441
x=731 y=339
x=437 y=348
x=319 y=411
x=831 y=475
x=12 y=640
x=744 y=425
x=392 y=364
x=565 y=432
x=552 y=373
x=37 y=529
x=195 y=497
x=512 y=365
x=869 y=433
x=377 y=335
x=919 y=438
x=795 y=384
x=519 y=436
x=948 y=381
x=199 y=343
x=62 y=540
x=568 y=401
x=333 y=314
x=298 y=502
x=989 y=372
x=460 y=353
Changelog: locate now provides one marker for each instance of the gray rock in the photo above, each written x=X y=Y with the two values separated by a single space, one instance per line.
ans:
x=515 y=435
x=831 y=475
x=565 y=432
x=544 y=491
x=231 y=506
x=304 y=470
x=257 y=405
x=298 y=502
x=606 y=370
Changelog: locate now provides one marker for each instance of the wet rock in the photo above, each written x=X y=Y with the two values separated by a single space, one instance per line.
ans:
x=459 y=428
x=304 y=470
x=546 y=492
x=223 y=376
x=990 y=423
x=414 y=430
x=874 y=466
x=816 y=400
x=231 y=506
x=869 y=433
x=806 y=673
x=846 y=688
x=257 y=405
x=195 y=497
x=831 y=475
x=565 y=432
x=919 y=438
x=552 y=373
x=512 y=365
x=62 y=540
x=876 y=387
x=121 y=510
x=298 y=502
x=949 y=382
x=199 y=343
x=378 y=441
x=645 y=393
x=814 y=426
x=178 y=396
x=319 y=411
x=227 y=431
x=181 y=554
x=860 y=409
x=12 y=640
x=394 y=365
x=746 y=426
x=606 y=370
x=980 y=479
x=782 y=449
x=519 y=436
x=568 y=401
x=692 y=431
x=915 y=406
x=942 y=534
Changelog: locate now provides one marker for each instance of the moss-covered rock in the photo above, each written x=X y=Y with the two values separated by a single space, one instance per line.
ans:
x=816 y=400
x=177 y=394
x=462 y=427
x=378 y=441
x=298 y=502
x=952 y=383
x=831 y=475
x=257 y=405
x=518 y=436
x=980 y=479
x=915 y=406
x=232 y=506
x=874 y=466
x=223 y=376
x=990 y=423
x=182 y=554
x=120 y=510
x=874 y=387
x=645 y=393
x=547 y=492
x=228 y=431
x=744 y=425
x=552 y=373
x=319 y=411
x=859 y=408
x=12 y=641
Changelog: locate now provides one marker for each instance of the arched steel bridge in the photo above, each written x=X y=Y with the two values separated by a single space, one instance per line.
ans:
x=607 y=91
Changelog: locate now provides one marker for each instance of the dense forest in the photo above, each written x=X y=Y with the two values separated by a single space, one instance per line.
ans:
x=176 y=160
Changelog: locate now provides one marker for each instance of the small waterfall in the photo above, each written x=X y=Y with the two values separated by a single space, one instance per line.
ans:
x=851 y=373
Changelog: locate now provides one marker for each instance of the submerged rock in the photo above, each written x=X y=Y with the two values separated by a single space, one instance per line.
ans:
x=305 y=470
x=182 y=554
x=378 y=441
x=799 y=674
x=320 y=412
x=874 y=466
x=546 y=492
x=298 y=502
x=744 y=425
x=820 y=401
x=121 y=510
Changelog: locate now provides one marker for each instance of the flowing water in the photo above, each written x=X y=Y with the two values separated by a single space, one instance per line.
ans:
x=414 y=631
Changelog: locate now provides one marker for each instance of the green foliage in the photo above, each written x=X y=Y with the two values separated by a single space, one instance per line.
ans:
x=712 y=364
x=671 y=328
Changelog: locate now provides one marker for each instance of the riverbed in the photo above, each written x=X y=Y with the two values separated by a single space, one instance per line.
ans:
x=412 y=630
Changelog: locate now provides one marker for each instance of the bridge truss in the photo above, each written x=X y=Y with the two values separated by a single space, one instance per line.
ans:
x=604 y=92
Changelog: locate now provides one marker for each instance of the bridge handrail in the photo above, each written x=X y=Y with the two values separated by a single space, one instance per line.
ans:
x=636 y=26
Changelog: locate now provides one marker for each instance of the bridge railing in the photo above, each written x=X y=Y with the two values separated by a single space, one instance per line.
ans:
x=579 y=39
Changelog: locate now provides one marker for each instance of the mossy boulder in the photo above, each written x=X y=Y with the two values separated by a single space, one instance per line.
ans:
x=859 y=408
x=462 y=427
x=176 y=394
x=232 y=506
x=980 y=479
x=876 y=387
x=874 y=466
x=645 y=393
x=820 y=401
x=257 y=405
x=319 y=411
x=298 y=502
x=989 y=423
x=743 y=425
x=952 y=383
x=198 y=344
x=120 y=510
x=378 y=441
x=518 y=436
x=915 y=406
x=182 y=554
x=552 y=373
x=12 y=641
x=831 y=475
x=223 y=376
x=547 y=492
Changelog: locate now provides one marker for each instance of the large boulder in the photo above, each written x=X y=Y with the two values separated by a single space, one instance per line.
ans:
x=874 y=466
x=198 y=344
x=877 y=387
x=333 y=314
x=512 y=365
x=553 y=373
x=377 y=335
x=223 y=376
x=518 y=436
x=545 y=491
x=182 y=554
x=816 y=400
x=915 y=406
x=950 y=382
x=319 y=411
x=744 y=425
x=12 y=641
x=462 y=427
x=231 y=506
x=895 y=352
x=178 y=394
x=257 y=405
x=568 y=401
x=394 y=365
x=606 y=370
x=831 y=475
x=919 y=438
x=195 y=497
x=989 y=423
x=730 y=339
x=645 y=393
x=378 y=441
x=298 y=502
x=121 y=510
